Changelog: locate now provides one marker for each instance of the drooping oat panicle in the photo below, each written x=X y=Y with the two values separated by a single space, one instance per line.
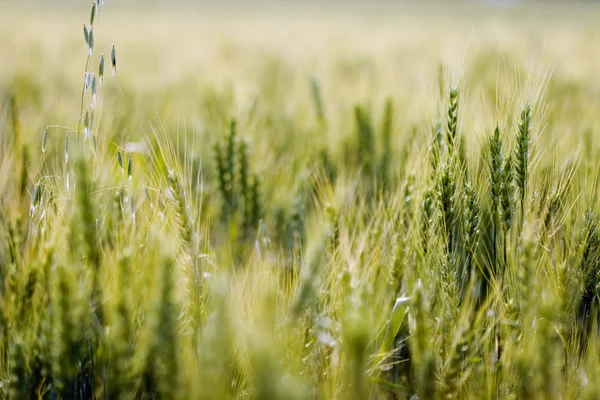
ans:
x=130 y=169
x=86 y=124
x=452 y=120
x=86 y=81
x=120 y=161
x=86 y=34
x=94 y=93
x=93 y=14
x=101 y=68
x=522 y=154
x=113 y=60
x=90 y=41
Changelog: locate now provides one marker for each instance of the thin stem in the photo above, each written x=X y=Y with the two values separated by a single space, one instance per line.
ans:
x=87 y=65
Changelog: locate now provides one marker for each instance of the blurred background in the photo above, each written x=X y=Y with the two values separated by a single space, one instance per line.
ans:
x=173 y=55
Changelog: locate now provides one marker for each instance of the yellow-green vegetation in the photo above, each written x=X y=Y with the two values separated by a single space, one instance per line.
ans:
x=286 y=202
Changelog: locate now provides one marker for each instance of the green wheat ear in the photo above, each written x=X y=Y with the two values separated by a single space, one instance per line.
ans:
x=435 y=147
x=452 y=120
x=507 y=194
x=522 y=154
x=471 y=230
x=447 y=193
x=243 y=179
x=496 y=183
x=495 y=165
x=256 y=206
x=427 y=209
x=223 y=179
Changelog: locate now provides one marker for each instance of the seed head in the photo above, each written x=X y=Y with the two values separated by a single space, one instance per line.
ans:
x=90 y=42
x=120 y=160
x=86 y=34
x=86 y=124
x=113 y=60
x=452 y=121
x=495 y=165
x=522 y=152
x=93 y=14
x=129 y=169
x=94 y=89
x=101 y=68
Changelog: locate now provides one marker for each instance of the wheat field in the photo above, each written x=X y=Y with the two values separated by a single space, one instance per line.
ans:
x=278 y=200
